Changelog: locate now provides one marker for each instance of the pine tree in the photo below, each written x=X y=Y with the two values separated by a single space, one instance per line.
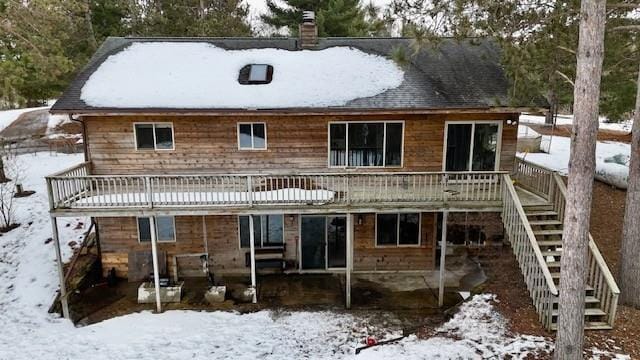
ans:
x=582 y=165
x=334 y=18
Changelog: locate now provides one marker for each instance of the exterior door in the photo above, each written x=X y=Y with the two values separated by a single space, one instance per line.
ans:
x=323 y=242
x=313 y=238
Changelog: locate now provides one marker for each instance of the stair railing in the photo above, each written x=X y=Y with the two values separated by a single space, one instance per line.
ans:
x=536 y=273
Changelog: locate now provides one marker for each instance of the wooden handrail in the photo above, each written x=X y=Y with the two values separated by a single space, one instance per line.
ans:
x=530 y=235
x=72 y=264
x=67 y=171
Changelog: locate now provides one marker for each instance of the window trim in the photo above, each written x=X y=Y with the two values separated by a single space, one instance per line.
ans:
x=473 y=132
x=398 y=245
x=252 y=148
x=175 y=233
x=384 y=144
x=155 y=146
x=281 y=246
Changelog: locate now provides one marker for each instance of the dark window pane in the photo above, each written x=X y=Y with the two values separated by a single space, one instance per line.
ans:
x=259 y=138
x=244 y=231
x=245 y=136
x=409 y=229
x=166 y=229
x=393 y=151
x=273 y=230
x=144 y=136
x=164 y=136
x=336 y=241
x=144 y=229
x=387 y=229
x=366 y=141
x=458 y=147
x=338 y=144
x=485 y=144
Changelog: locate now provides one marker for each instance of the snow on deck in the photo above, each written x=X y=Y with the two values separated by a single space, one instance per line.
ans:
x=200 y=75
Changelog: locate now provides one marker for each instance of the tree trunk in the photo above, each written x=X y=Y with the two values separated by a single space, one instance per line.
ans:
x=582 y=162
x=88 y=19
x=3 y=176
x=630 y=249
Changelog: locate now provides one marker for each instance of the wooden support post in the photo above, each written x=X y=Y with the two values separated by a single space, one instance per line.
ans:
x=349 y=260
x=154 y=255
x=443 y=254
x=252 y=248
x=63 y=288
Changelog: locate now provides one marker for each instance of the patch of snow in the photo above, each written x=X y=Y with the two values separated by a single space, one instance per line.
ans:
x=55 y=121
x=7 y=117
x=200 y=75
x=597 y=354
x=608 y=168
x=525 y=131
x=624 y=126
x=465 y=294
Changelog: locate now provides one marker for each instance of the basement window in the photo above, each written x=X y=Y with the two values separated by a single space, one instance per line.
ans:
x=255 y=74
x=252 y=136
x=165 y=229
x=401 y=229
x=267 y=231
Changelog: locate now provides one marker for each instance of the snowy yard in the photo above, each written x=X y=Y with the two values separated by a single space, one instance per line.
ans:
x=29 y=281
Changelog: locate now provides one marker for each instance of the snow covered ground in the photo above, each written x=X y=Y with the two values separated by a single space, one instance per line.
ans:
x=624 y=126
x=7 y=117
x=612 y=158
x=28 y=281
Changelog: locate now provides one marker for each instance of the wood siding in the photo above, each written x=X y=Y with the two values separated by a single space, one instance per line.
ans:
x=368 y=257
x=209 y=144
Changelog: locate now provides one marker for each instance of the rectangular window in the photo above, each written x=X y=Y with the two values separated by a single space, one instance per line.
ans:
x=267 y=230
x=365 y=144
x=165 y=229
x=398 y=229
x=472 y=146
x=154 y=136
x=252 y=136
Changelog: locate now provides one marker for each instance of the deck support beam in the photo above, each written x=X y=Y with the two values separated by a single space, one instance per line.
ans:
x=252 y=247
x=63 y=288
x=349 y=268
x=443 y=255
x=154 y=255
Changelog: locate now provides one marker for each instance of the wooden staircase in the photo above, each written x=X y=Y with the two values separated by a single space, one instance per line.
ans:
x=548 y=234
x=533 y=218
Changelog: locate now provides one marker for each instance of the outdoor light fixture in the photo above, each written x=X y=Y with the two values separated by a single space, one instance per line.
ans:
x=360 y=219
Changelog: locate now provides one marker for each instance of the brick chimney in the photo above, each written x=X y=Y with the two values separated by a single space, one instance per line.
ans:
x=308 y=31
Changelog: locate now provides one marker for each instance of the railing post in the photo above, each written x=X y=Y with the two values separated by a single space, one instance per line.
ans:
x=250 y=190
x=147 y=184
x=348 y=188
x=52 y=206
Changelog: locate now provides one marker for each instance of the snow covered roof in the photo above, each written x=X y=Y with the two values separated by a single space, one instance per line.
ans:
x=201 y=74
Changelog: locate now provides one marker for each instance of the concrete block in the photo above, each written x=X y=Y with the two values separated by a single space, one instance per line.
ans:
x=147 y=293
x=215 y=294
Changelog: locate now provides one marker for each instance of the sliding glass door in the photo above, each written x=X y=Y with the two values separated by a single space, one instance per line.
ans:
x=323 y=242
x=472 y=146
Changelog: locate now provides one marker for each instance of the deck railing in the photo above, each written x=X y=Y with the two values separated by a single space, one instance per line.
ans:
x=534 y=178
x=599 y=277
x=76 y=189
x=539 y=282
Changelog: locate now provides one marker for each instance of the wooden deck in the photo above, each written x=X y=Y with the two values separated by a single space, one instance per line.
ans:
x=75 y=191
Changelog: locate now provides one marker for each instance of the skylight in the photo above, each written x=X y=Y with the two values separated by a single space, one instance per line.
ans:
x=258 y=73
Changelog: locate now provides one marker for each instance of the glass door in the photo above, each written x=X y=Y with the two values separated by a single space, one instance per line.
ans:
x=336 y=241
x=313 y=242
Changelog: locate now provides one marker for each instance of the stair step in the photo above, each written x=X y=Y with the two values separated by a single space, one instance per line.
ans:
x=545 y=243
x=538 y=207
x=547 y=232
x=587 y=312
x=590 y=325
x=541 y=213
x=553 y=264
x=545 y=222
x=552 y=253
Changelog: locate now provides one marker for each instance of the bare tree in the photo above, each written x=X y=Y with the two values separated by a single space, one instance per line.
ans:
x=582 y=164
x=8 y=191
x=630 y=249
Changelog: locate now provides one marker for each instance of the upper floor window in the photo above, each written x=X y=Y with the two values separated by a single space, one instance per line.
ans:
x=472 y=146
x=154 y=136
x=401 y=229
x=165 y=229
x=366 y=144
x=267 y=230
x=252 y=136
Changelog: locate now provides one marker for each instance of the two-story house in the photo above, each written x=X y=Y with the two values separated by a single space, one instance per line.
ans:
x=307 y=155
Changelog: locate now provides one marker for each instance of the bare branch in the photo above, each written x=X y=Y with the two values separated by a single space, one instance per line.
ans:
x=566 y=78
